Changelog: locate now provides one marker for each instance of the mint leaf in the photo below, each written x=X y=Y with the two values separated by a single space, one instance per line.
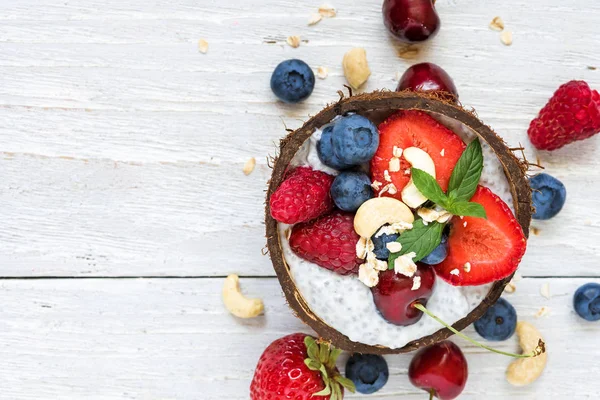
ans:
x=421 y=239
x=467 y=172
x=428 y=186
x=467 y=209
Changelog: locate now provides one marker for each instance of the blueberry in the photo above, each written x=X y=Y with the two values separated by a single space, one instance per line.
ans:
x=325 y=150
x=369 y=372
x=355 y=139
x=292 y=81
x=498 y=322
x=587 y=301
x=381 y=252
x=549 y=195
x=350 y=189
x=438 y=254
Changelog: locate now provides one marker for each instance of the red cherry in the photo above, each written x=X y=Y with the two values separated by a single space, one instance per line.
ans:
x=411 y=21
x=440 y=368
x=394 y=296
x=427 y=77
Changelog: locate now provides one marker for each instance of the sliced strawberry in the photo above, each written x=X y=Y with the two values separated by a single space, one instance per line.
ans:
x=483 y=250
x=412 y=128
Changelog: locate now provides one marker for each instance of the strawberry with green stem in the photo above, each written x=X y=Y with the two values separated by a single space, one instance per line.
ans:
x=299 y=367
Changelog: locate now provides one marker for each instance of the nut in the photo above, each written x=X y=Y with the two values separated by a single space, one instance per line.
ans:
x=293 y=41
x=542 y=312
x=237 y=303
x=356 y=67
x=378 y=211
x=524 y=371
x=394 y=164
x=418 y=159
x=506 y=38
x=249 y=166
x=202 y=46
x=327 y=11
x=405 y=265
x=315 y=18
x=322 y=72
x=368 y=275
x=497 y=24
x=394 y=247
x=408 y=53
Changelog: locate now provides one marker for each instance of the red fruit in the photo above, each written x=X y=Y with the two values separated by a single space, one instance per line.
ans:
x=573 y=113
x=394 y=296
x=281 y=372
x=329 y=241
x=302 y=196
x=493 y=247
x=407 y=129
x=441 y=368
x=411 y=20
x=428 y=77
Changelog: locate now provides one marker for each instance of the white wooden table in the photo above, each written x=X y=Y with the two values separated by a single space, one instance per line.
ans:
x=123 y=203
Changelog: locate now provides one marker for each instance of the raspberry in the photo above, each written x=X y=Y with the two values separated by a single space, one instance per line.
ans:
x=302 y=196
x=573 y=113
x=329 y=241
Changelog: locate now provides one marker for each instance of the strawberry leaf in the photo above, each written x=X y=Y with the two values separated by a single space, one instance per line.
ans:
x=428 y=186
x=313 y=365
x=466 y=173
x=345 y=382
x=421 y=239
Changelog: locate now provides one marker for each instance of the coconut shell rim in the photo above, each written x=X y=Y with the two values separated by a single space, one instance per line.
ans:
x=515 y=171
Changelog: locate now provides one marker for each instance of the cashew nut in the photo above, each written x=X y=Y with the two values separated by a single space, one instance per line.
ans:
x=378 y=211
x=524 y=371
x=418 y=159
x=236 y=302
x=356 y=67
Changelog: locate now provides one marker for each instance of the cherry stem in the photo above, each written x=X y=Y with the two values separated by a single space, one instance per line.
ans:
x=422 y=308
x=431 y=393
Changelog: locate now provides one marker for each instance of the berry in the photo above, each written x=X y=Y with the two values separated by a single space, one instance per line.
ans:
x=411 y=21
x=329 y=241
x=573 y=113
x=292 y=81
x=355 y=139
x=379 y=244
x=406 y=129
x=441 y=368
x=483 y=250
x=369 y=372
x=394 y=297
x=438 y=254
x=302 y=196
x=282 y=371
x=499 y=321
x=548 y=195
x=587 y=301
x=325 y=150
x=428 y=77
x=350 y=189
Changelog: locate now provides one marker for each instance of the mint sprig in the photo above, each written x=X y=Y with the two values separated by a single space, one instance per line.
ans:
x=421 y=239
x=463 y=184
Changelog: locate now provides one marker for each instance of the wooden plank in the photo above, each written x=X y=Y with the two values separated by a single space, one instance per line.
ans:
x=91 y=217
x=172 y=338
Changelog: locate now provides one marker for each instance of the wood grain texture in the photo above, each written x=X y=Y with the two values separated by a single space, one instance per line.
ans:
x=121 y=154
x=121 y=146
x=173 y=339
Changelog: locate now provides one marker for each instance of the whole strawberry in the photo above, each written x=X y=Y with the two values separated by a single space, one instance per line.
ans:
x=297 y=367
x=302 y=196
x=329 y=241
x=573 y=113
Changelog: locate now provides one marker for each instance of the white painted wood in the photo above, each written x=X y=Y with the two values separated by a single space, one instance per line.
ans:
x=173 y=339
x=121 y=154
x=122 y=146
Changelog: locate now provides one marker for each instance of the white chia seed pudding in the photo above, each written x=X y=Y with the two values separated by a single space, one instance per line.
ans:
x=346 y=304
